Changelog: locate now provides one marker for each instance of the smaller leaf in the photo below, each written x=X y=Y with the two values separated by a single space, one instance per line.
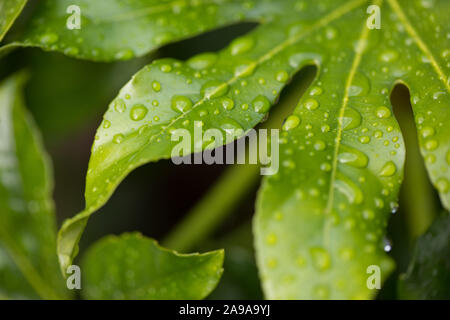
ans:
x=428 y=276
x=135 y=267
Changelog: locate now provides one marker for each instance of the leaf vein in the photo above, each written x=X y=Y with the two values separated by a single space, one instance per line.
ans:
x=413 y=33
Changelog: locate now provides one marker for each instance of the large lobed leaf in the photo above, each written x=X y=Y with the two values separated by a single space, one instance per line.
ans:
x=323 y=216
x=134 y=267
x=28 y=264
x=9 y=11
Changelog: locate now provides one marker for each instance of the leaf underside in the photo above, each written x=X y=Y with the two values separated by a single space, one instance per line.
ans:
x=115 y=268
x=321 y=219
x=28 y=265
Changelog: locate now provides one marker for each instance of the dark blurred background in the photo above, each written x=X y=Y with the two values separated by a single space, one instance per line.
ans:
x=68 y=98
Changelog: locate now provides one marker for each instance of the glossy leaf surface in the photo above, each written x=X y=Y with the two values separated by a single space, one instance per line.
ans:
x=320 y=222
x=323 y=215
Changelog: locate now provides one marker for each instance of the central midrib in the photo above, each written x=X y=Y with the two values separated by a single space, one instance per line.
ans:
x=359 y=51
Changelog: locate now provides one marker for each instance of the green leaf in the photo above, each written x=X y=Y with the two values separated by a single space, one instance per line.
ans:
x=428 y=275
x=342 y=153
x=320 y=221
x=134 y=267
x=9 y=11
x=120 y=30
x=28 y=264
x=54 y=97
x=244 y=73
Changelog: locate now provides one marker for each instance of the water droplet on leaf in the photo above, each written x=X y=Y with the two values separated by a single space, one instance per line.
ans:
x=138 y=112
x=119 y=105
x=351 y=119
x=261 y=104
x=241 y=45
x=321 y=258
x=388 y=169
x=181 y=104
x=214 y=89
x=291 y=122
x=352 y=157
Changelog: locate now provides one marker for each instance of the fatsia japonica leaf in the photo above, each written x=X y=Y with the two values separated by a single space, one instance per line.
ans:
x=9 y=11
x=115 y=268
x=320 y=221
x=428 y=274
x=28 y=264
x=105 y=30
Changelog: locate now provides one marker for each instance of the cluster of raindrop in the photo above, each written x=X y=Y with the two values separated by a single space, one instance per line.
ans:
x=348 y=155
